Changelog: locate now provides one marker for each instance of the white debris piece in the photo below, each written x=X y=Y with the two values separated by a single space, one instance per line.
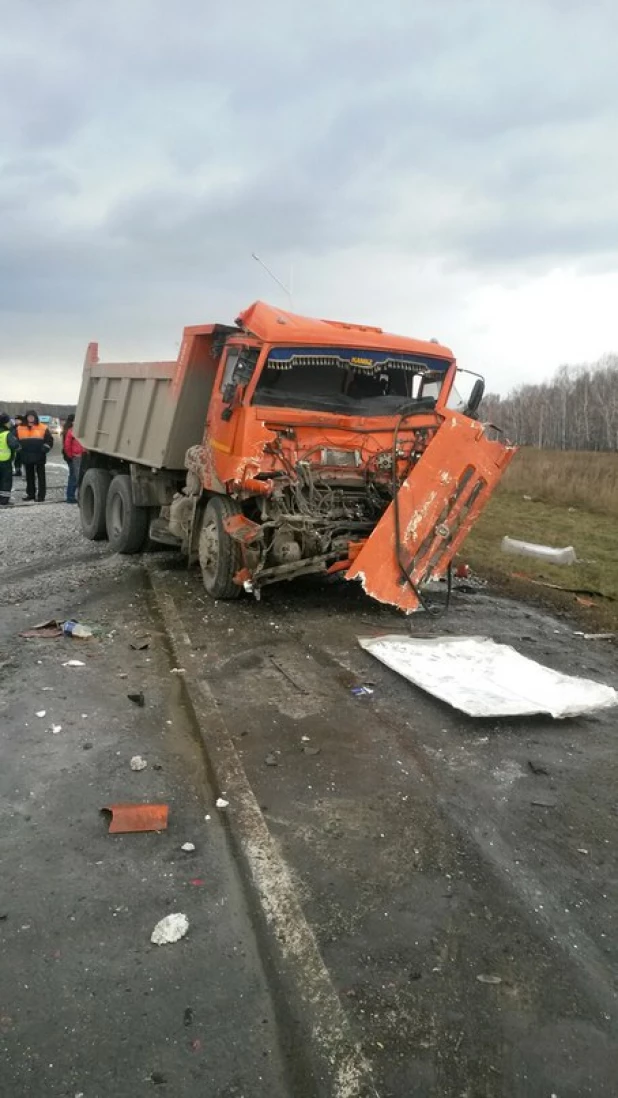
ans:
x=543 y=552
x=221 y=802
x=170 y=929
x=74 y=663
x=485 y=679
x=55 y=729
x=41 y=713
x=138 y=763
x=177 y=671
x=188 y=847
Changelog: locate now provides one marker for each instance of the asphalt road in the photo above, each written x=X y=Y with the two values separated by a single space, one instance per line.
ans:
x=413 y=835
x=88 y=1006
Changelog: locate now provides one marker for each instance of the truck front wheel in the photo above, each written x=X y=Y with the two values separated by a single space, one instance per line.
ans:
x=92 y=502
x=220 y=555
x=127 y=525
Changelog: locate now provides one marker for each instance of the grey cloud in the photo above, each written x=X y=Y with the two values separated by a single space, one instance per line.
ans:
x=147 y=146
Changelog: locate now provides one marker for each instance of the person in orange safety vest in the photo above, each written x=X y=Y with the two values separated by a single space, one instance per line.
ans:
x=35 y=441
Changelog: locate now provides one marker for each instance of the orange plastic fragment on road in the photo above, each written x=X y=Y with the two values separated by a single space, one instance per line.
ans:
x=136 y=817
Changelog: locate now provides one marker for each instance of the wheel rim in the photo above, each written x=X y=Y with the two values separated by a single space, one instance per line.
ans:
x=210 y=550
x=117 y=515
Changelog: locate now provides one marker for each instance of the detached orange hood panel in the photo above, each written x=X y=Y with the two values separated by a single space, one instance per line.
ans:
x=438 y=503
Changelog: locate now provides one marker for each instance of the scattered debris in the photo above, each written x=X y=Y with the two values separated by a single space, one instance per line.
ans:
x=536 y=768
x=178 y=671
x=126 y=818
x=55 y=729
x=489 y=979
x=138 y=763
x=543 y=552
x=158 y=1077
x=595 y=636
x=271 y=760
x=40 y=713
x=359 y=691
x=87 y=746
x=486 y=679
x=197 y=882
x=77 y=630
x=157 y=766
x=568 y=590
x=544 y=802
x=74 y=663
x=221 y=803
x=582 y=850
x=188 y=1016
x=305 y=739
x=137 y=699
x=170 y=929
x=45 y=629
x=307 y=749
x=188 y=847
x=140 y=645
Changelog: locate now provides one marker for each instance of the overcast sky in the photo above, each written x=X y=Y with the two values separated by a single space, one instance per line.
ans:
x=442 y=168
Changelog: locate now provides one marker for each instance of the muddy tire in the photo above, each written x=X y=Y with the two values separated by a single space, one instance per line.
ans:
x=127 y=525
x=92 y=503
x=220 y=556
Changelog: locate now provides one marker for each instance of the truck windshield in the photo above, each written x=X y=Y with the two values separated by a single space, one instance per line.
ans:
x=346 y=379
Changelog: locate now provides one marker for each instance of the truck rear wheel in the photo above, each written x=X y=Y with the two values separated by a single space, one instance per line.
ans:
x=92 y=502
x=127 y=525
x=220 y=555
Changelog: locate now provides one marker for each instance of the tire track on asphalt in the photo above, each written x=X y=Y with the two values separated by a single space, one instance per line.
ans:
x=336 y=1060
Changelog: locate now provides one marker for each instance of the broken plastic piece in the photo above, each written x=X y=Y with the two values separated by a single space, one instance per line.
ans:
x=542 y=552
x=77 y=630
x=137 y=699
x=74 y=663
x=170 y=929
x=221 y=802
x=139 y=645
x=188 y=847
x=489 y=979
x=126 y=818
x=40 y=713
x=485 y=679
x=138 y=763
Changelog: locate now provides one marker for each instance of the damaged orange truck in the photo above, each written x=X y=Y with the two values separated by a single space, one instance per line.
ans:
x=283 y=446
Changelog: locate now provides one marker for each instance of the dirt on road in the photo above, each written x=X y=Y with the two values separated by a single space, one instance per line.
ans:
x=458 y=875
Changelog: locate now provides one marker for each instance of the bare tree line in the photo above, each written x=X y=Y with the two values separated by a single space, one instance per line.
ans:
x=18 y=407
x=576 y=410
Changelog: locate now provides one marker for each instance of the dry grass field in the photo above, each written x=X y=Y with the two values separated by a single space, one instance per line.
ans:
x=557 y=499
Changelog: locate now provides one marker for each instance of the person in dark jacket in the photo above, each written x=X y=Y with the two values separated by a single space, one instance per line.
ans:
x=18 y=421
x=8 y=446
x=35 y=441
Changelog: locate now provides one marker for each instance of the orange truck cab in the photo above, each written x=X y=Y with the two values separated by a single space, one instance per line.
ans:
x=284 y=446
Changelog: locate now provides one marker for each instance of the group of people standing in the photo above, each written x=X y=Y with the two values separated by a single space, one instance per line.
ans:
x=24 y=444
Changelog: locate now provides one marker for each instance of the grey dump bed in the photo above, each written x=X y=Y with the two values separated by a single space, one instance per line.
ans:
x=144 y=412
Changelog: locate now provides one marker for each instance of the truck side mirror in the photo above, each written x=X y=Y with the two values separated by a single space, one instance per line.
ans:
x=475 y=398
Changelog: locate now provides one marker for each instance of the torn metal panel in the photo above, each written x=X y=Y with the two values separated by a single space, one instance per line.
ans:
x=485 y=679
x=127 y=818
x=438 y=503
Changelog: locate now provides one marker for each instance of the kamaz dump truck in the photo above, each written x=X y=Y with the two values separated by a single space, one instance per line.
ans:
x=281 y=446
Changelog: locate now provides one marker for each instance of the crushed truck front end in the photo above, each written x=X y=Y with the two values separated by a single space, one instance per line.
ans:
x=337 y=452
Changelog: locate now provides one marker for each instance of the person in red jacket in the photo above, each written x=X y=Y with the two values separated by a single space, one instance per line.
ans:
x=72 y=450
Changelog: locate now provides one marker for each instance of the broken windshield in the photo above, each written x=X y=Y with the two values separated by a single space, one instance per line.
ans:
x=351 y=380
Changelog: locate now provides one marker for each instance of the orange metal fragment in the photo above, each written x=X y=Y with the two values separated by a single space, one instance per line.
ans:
x=438 y=503
x=136 y=817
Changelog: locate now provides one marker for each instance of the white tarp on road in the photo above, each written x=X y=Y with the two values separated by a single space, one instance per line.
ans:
x=485 y=679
